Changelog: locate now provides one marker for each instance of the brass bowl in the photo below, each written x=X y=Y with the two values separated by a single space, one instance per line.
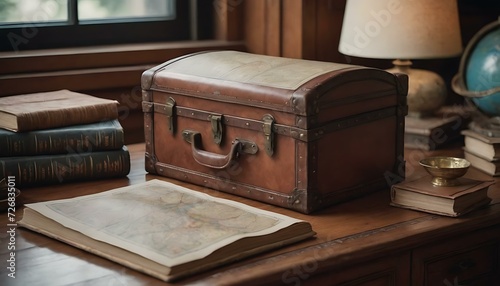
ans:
x=445 y=171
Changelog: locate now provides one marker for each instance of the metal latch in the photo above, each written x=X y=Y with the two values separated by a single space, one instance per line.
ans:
x=268 y=129
x=216 y=121
x=170 y=112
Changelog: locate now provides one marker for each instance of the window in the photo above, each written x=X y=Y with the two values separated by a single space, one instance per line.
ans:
x=38 y=24
x=125 y=9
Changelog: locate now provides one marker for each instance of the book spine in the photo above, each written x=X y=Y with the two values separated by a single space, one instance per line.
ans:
x=102 y=136
x=65 y=117
x=38 y=170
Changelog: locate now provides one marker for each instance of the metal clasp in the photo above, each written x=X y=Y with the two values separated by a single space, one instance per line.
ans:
x=170 y=112
x=268 y=128
x=217 y=132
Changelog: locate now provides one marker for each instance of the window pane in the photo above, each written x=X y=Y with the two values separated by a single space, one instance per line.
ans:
x=119 y=9
x=33 y=11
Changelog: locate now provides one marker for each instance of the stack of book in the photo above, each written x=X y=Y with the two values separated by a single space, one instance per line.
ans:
x=421 y=195
x=60 y=136
x=483 y=152
x=435 y=132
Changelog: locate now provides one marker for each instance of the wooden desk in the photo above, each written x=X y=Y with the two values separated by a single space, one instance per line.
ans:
x=364 y=241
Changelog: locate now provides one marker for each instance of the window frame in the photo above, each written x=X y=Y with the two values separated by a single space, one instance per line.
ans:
x=34 y=36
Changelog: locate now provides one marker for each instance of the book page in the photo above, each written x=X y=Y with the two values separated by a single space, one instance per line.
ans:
x=161 y=221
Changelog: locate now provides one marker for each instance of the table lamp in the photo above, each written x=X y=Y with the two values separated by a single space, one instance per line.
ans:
x=405 y=30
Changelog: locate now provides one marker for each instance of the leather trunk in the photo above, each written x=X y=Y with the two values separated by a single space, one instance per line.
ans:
x=294 y=133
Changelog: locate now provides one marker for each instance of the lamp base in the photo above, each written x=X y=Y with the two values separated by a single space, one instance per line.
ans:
x=426 y=89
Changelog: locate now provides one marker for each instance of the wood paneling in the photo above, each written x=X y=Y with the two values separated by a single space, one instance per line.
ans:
x=311 y=28
x=292 y=30
x=228 y=19
x=273 y=18
x=328 y=26
x=306 y=29
x=254 y=26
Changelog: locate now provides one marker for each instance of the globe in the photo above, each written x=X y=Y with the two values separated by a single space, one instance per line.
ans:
x=483 y=71
x=479 y=75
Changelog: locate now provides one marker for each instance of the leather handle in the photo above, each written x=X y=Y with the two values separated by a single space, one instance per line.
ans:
x=209 y=159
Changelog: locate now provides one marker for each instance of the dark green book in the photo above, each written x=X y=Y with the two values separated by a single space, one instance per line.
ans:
x=54 y=169
x=102 y=136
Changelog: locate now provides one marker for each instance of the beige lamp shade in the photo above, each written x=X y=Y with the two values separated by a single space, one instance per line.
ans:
x=401 y=29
